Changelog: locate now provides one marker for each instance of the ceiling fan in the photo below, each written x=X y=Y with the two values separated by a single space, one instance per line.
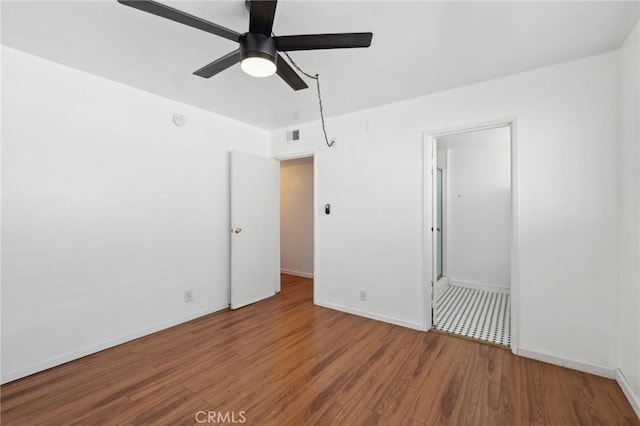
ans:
x=258 y=52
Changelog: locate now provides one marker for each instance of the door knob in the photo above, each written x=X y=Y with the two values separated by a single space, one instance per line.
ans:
x=237 y=230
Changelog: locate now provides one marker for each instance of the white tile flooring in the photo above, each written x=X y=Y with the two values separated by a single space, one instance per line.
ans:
x=478 y=314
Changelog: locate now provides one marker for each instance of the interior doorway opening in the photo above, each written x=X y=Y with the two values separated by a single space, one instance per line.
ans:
x=472 y=233
x=297 y=221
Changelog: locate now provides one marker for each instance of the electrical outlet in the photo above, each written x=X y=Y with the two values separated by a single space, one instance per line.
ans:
x=188 y=296
x=363 y=295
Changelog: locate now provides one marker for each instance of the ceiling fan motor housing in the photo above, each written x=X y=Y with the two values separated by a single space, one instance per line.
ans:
x=258 y=45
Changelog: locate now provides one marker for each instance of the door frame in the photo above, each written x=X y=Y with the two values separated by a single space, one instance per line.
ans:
x=443 y=213
x=429 y=139
x=307 y=154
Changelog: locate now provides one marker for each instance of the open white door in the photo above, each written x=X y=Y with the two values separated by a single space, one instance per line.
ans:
x=255 y=228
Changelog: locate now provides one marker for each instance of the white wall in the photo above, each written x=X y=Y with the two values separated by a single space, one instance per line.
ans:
x=110 y=212
x=629 y=230
x=479 y=208
x=296 y=217
x=566 y=125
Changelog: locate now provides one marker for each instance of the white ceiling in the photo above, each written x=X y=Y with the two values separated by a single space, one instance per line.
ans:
x=418 y=48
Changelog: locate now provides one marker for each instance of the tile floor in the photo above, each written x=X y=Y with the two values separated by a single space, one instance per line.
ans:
x=478 y=314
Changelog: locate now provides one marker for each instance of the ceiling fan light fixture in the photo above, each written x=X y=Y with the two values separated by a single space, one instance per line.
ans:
x=258 y=66
x=259 y=54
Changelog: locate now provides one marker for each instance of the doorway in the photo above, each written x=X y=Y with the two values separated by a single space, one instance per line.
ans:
x=297 y=221
x=472 y=236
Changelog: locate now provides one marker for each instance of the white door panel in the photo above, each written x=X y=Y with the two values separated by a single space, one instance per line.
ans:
x=255 y=228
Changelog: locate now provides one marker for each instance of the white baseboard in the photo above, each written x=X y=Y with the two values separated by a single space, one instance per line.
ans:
x=480 y=286
x=598 y=370
x=296 y=273
x=440 y=287
x=371 y=315
x=53 y=362
x=632 y=397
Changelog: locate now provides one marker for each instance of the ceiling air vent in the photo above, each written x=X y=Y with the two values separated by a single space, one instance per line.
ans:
x=293 y=135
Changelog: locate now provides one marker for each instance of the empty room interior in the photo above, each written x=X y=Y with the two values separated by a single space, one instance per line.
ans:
x=320 y=212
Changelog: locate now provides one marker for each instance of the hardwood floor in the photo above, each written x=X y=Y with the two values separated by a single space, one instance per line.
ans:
x=286 y=361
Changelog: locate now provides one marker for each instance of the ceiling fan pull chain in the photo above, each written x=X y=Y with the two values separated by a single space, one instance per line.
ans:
x=326 y=140
x=317 y=79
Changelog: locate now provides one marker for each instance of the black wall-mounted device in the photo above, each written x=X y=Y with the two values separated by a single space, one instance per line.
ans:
x=327 y=209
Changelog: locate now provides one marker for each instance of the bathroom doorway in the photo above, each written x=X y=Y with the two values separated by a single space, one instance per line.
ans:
x=472 y=234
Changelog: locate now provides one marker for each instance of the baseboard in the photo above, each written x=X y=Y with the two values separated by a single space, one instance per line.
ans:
x=479 y=286
x=371 y=315
x=54 y=362
x=632 y=397
x=598 y=370
x=440 y=287
x=296 y=273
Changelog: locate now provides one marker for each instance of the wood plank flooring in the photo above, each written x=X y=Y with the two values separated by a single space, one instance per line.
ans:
x=286 y=361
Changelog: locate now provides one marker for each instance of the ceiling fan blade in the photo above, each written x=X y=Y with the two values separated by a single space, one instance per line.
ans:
x=261 y=16
x=176 y=15
x=219 y=65
x=289 y=75
x=323 y=41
